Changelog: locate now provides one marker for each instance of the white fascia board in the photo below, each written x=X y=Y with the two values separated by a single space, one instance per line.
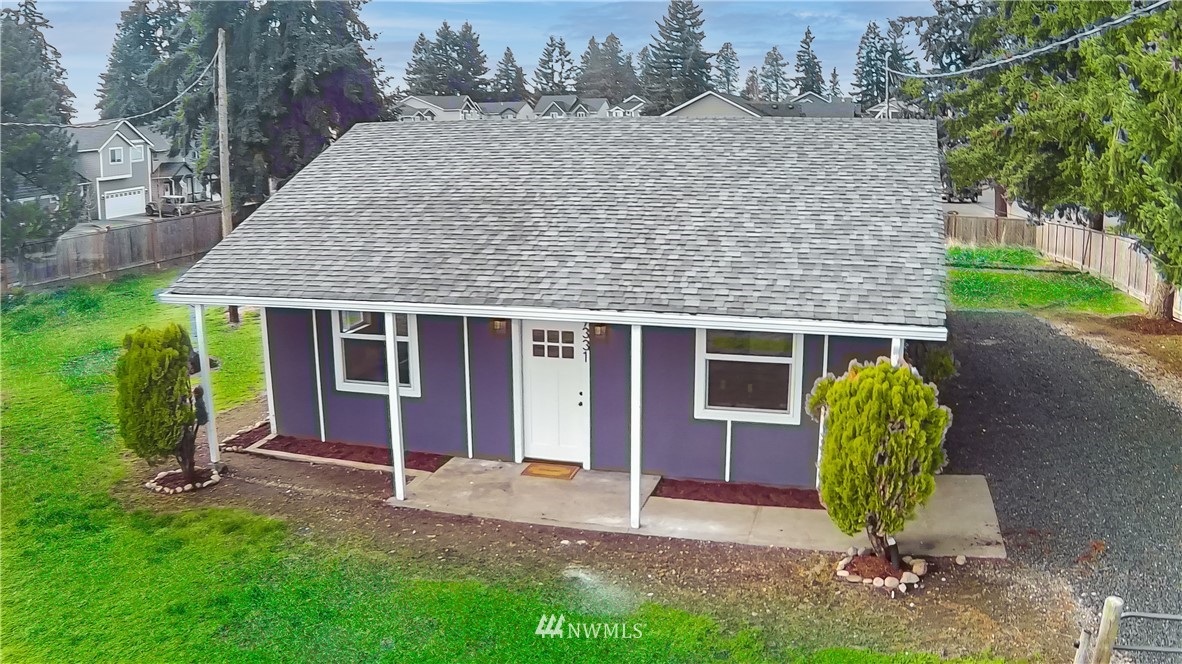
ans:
x=648 y=318
x=709 y=93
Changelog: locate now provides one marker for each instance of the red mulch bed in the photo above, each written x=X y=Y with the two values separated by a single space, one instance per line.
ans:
x=869 y=567
x=424 y=461
x=177 y=480
x=251 y=437
x=738 y=493
x=1143 y=325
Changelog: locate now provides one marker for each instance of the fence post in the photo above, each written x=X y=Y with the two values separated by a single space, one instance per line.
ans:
x=1082 y=648
x=1109 y=626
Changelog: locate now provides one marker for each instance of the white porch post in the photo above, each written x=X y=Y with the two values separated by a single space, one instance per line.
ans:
x=897 y=351
x=397 y=451
x=518 y=395
x=635 y=392
x=467 y=388
x=215 y=454
x=267 y=368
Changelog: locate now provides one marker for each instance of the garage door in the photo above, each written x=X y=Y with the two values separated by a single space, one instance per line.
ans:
x=123 y=203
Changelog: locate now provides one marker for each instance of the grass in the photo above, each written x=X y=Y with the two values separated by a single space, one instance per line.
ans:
x=87 y=580
x=980 y=289
x=963 y=256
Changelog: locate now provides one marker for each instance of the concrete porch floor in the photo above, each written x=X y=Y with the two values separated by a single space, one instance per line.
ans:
x=959 y=519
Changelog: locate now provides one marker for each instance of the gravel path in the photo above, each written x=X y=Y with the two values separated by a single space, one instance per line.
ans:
x=1084 y=460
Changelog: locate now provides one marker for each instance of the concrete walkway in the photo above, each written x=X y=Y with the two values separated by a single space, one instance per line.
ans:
x=959 y=519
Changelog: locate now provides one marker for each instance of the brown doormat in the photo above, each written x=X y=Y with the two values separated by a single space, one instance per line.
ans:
x=553 y=471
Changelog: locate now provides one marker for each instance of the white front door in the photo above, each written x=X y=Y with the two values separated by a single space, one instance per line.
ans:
x=557 y=391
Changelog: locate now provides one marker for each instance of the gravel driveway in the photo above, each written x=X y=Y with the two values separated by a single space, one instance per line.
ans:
x=1084 y=459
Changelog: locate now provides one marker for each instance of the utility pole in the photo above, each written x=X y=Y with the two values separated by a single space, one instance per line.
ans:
x=224 y=152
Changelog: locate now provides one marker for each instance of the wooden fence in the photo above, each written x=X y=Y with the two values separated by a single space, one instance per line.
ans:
x=107 y=252
x=1112 y=258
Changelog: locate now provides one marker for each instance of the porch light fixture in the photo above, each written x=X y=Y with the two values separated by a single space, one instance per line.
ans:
x=498 y=327
x=599 y=331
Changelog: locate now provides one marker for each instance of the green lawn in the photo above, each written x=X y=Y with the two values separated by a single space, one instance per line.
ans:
x=961 y=256
x=1067 y=291
x=86 y=580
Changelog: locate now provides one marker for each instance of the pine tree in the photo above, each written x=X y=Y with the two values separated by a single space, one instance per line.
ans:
x=141 y=40
x=509 y=82
x=944 y=36
x=681 y=66
x=472 y=72
x=591 y=80
x=774 y=84
x=421 y=74
x=445 y=60
x=620 y=73
x=900 y=57
x=299 y=76
x=32 y=89
x=809 y=75
x=555 y=74
x=868 y=74
x=726 y=69
x=751 y=85
x=834 y=86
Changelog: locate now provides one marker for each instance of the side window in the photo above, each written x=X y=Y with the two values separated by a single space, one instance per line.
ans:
x=115 y=155
x=359 y=352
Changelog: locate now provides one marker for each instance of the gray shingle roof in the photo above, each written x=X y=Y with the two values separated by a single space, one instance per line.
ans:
x=92 y=138
x=795 y=218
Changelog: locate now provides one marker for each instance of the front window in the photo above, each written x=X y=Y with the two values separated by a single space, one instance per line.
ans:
x=137 y=153
x=748 y=376
x=115 y=155
x=360 y=352
x=581 y=114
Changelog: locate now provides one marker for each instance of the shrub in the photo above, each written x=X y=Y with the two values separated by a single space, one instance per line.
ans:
x=882 y=448
x=934 y=361
x=154 y=407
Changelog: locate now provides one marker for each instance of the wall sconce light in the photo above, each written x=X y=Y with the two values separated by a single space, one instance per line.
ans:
x=599 y=331
x=498 y=327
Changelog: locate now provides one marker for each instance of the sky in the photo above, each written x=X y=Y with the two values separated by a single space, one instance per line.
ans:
x=84 y=31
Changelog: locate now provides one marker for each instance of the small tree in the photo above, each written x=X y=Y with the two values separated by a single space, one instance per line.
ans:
x=154 y=406
x=882 y=447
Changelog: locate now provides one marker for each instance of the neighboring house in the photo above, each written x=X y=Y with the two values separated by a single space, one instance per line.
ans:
x=570 y=106
x=175 y=174
x=426 y=108
x=895 y=109
x=27 y=192
x=664 y=310
x=632 y=107
x=507 y=110
x=720 y=104
x=116 y=161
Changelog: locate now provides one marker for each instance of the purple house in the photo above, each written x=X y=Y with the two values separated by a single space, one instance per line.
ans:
x=655 y=296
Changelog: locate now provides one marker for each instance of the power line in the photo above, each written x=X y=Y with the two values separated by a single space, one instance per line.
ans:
x=105 y=123
x=1046 y=48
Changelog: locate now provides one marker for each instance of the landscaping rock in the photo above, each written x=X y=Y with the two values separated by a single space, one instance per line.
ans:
x=920 y=567
x=879 y=582
x=960 y=560
x=890 y=582
x=851 y=552
x=841 y=564
x=909 y=577
x=865 y=551
x=843 y=573
x=188 y=487
x=902 y=587
x=854 y=578
x=908 y=559
x=867 y=582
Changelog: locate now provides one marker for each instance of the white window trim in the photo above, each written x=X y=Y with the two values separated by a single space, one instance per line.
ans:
x=338 y=359
x=137 y=149
x=111 y=155
x=704 y=412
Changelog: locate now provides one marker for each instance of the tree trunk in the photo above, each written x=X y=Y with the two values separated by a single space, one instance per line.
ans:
x=1096 y=220
x=877 y=541
x=1161 y=301
x=186 y=453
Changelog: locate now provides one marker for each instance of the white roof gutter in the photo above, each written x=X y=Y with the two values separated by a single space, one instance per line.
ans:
x=656 y=319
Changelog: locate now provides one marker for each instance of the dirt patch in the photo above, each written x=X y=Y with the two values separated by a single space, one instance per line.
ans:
x=738 y=493
x=380 y=456
x=869 y=567
x=177 y=480
x=1151 y=348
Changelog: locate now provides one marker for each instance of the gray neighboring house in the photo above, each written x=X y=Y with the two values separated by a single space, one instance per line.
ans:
x=722 y=105
x=632 y=107
x=429 y=108
x=116 y=162
x=175 y=174
x=507 y=110
x=663 y=312
x=570 y=106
